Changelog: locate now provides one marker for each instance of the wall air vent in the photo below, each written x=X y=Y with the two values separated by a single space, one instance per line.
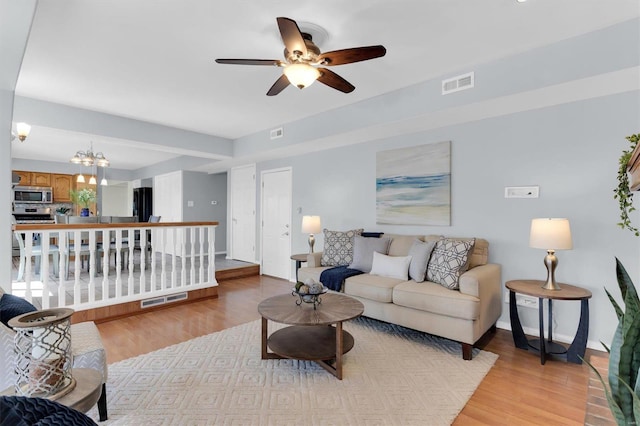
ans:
x=456 y=84
x=277 y=133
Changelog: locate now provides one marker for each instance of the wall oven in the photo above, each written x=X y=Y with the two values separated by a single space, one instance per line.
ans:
x=32 y=194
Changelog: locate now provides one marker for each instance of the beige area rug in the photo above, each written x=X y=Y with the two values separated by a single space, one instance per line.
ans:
x=392 y=376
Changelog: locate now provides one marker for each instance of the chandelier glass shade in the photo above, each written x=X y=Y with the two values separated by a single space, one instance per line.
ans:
x=89 y=158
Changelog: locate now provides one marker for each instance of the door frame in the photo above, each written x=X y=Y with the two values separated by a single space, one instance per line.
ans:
x=262 y=174
x=230 y=212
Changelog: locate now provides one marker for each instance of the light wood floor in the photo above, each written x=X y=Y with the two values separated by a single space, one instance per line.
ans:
x=517 y=390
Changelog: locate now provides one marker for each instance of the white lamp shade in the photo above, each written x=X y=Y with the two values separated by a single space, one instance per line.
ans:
x=550 y=234
x=311 y=224
x=80 y=179
x=301 y=75
x=92 y=180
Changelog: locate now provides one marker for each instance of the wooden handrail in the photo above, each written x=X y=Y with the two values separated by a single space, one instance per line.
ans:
x=58 y=226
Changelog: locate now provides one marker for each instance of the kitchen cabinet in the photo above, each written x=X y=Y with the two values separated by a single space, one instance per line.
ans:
x=62 y=185
x=34 y=178
x=25 y=177
x=40 y=179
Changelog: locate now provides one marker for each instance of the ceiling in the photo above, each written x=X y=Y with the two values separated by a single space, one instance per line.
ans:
x=153 y=60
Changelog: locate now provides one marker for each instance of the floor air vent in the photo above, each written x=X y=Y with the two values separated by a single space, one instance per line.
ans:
x=163 y=299
x=455 y=84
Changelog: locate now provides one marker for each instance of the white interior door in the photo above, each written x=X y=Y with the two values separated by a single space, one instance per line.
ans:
x=276 y=223
x=167 y=202
x=243 y=213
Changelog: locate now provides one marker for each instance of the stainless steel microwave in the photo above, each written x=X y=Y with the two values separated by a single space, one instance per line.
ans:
x=33 y=194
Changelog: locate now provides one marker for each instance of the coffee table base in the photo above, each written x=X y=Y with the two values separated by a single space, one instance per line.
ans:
x=324 y=345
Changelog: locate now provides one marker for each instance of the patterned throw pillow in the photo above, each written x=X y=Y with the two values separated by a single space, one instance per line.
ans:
x=448 y=261
x=338 y=247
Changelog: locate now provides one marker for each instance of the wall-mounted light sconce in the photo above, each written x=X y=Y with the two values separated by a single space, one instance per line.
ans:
x=22 y=131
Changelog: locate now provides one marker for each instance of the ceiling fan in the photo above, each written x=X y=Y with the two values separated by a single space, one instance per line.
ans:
x=304 y=62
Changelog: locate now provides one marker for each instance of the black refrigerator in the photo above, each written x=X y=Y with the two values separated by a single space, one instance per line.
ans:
x=142 y=204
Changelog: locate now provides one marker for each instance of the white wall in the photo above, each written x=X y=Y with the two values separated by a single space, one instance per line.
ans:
x=571 y=151
x=116 y=199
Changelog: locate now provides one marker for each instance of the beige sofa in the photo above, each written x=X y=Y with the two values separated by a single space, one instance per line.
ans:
x=463 y=315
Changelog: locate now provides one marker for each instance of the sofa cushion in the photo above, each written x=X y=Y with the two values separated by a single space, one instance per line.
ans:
x=401 y=244
x=391 y=266
x=480 y=253
x=372 y=287
x=432 y=297
x=12 y=306
x=307 y=273
x=420 y=253
x=338 y=247
x=363 y=249
x=449 y=259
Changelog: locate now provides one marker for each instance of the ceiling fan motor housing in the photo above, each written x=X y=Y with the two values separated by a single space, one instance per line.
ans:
x=312 y=52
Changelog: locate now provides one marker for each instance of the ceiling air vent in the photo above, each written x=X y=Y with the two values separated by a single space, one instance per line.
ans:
x=277 y=133
x=455 y=84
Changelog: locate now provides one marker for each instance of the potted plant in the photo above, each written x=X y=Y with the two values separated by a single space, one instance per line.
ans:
x=624 y=354
x=623 y=192
x=84 y=197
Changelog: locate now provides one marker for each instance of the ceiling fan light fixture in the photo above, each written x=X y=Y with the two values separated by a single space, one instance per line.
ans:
x=301 y=75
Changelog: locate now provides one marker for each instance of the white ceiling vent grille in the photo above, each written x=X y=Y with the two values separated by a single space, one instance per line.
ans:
x=277 y=133
x=456 y=84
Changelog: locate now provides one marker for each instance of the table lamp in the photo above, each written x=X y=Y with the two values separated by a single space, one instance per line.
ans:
x=311 y=225
x=551 y=234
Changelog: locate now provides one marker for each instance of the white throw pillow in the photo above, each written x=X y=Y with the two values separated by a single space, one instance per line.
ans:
x=391 y=266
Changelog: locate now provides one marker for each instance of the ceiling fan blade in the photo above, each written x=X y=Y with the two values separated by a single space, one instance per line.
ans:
x=291 y=36
x=273 y=62
x=278 y=86
x=332 y=79
x=348 y=56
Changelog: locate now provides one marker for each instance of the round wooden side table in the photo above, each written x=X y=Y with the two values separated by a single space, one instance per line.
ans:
x=86 y=393
x=547 y=348
x=299 y=258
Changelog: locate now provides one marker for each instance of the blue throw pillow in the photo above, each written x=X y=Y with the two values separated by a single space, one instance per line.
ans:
x=12 y=306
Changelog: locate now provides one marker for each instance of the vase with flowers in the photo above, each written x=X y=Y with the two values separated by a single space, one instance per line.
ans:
x=84 y=198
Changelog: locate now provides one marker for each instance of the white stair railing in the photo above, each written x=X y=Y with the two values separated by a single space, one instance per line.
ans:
x=166 y=265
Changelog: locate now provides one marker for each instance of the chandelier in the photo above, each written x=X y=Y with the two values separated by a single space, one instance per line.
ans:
x=89 y=158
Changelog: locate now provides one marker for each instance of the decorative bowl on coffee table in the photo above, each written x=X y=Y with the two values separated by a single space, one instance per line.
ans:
x=309 y=297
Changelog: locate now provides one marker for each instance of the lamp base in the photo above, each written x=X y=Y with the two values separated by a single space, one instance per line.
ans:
x=551 y=262
x=312 y=241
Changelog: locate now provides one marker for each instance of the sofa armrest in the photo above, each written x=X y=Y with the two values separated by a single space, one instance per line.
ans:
x=313 y=259
x=485 y=283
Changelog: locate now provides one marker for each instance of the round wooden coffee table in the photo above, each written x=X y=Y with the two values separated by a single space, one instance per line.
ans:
x=311 y=335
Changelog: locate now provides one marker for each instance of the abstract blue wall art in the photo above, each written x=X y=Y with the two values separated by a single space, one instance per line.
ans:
x=413 y=185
